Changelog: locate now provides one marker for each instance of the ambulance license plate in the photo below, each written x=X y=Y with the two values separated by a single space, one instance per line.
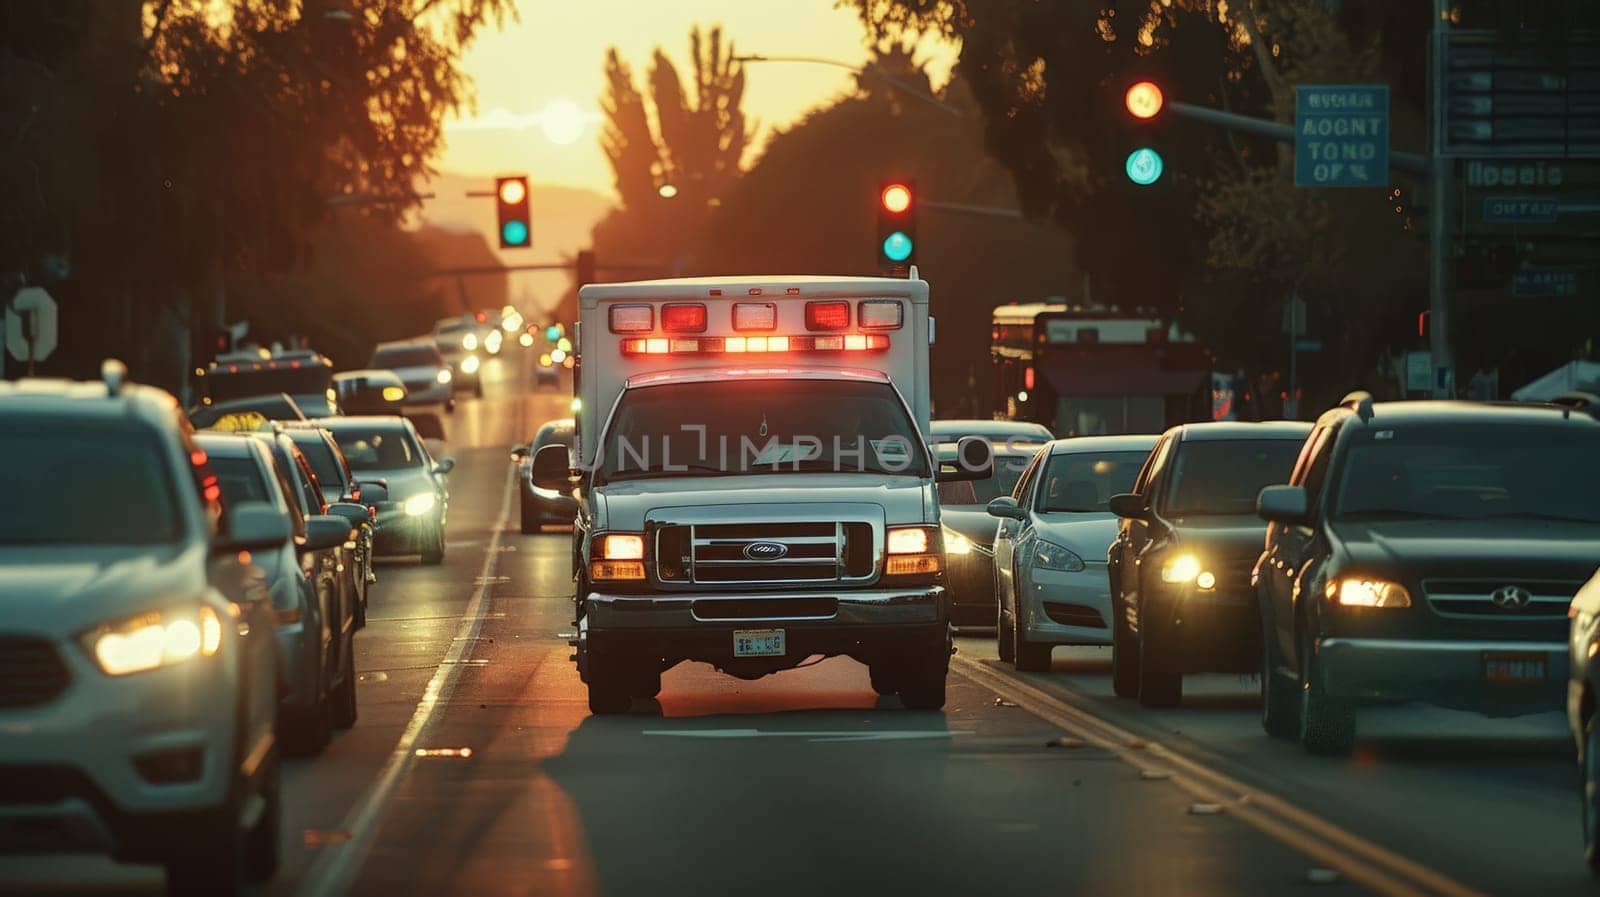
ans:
x=758 y=643
x=1513 y=668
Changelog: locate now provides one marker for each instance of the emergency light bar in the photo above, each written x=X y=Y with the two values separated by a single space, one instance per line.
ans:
x=827 y=315
x=735 y=345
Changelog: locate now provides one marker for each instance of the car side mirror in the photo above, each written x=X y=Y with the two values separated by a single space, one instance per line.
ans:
x=374 y=493
x=1283 y=504
x=444 y=465
x=1130 y=505
x=355 y=514
x=552 y=468
x=255 y=526
x=519 y=453
x=974 y=461
x=326 y=531
x=1005 y=507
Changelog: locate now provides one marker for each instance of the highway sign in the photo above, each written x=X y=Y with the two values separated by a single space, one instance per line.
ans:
x=1543 y=283
x=1341 y=135
x=1308 y=345
x=1419 y=371
x=1520 y=209
x=31 y=325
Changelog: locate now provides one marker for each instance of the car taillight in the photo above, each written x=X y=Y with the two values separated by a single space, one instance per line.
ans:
x=879 y=314
x=684 y=317
x=827 y=315
x=749 y=316
x=632 y=318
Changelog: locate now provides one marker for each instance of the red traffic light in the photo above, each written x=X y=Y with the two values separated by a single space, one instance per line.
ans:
x=513 y=191
x=1144 y=100
x=896 y=198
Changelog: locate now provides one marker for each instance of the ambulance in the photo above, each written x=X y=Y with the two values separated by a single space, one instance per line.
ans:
x=755 y=486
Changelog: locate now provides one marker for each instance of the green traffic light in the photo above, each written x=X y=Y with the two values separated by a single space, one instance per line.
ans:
x=1144 y=166
x=552 y=333
x=514 y=233
x=897 y=247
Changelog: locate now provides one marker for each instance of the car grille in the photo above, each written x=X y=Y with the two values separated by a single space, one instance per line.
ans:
x=31 y=672
x=1074 y=615
x=811 y=553
x=1548 y=599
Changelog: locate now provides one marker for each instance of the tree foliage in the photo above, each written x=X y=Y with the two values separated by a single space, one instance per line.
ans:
x=157 y=149
x=693 y=142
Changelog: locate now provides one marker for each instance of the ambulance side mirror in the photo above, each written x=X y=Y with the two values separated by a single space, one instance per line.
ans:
x=552 y=466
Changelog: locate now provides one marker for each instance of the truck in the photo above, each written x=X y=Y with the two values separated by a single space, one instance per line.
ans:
x=754 y=483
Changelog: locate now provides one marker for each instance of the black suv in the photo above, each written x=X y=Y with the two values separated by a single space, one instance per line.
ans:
x=1180 y=566
x=1425 y=551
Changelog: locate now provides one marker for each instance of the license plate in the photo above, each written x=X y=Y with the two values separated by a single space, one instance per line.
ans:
x=1513 y=668
x=758 y=643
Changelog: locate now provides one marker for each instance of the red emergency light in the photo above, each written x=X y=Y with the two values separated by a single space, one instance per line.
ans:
x=683 y=317
x=827 y=315
x=742 y=345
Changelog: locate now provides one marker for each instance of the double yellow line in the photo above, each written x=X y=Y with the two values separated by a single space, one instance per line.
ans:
x=1358 y=860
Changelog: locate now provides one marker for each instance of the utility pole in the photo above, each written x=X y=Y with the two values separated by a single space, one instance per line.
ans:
x=1441 y=173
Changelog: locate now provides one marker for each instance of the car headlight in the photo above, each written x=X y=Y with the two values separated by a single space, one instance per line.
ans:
x=469 y=342
x=444 y=375
x=525 y=340
x=1185 y=568
x=155 y=639
x=955 y=543
x=492 y=341
x=1050 y=556
x=911 y=551
x=420 y=504
x=469 y=365
x=1353 y=591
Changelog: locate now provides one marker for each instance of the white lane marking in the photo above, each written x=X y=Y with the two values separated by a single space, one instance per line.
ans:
x=1361 y=861
x=335 y=868
x=819 y=737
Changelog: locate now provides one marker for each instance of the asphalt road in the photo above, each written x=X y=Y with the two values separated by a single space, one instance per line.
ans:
x=476 y=769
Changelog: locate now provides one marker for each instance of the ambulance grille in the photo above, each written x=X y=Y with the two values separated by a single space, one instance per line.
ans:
x=765 y=553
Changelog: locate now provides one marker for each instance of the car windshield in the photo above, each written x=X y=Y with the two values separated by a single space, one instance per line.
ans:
x=1477 y=472
x=1007 y=470
x=1083 y=482
x=377 y=448
x=240 y=479
x=220 y=384
x=57 y=471
x=761 y=426
x=406 y=357
x=1224 y=476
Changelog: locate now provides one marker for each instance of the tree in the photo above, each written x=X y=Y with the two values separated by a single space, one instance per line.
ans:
x=809 y=204
x=673 y=165
x=164 y=147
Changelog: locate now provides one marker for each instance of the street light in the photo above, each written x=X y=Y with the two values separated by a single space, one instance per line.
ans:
x=667 y=191
x=867 y=71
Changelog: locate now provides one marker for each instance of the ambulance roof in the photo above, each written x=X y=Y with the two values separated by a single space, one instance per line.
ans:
x=809 y=285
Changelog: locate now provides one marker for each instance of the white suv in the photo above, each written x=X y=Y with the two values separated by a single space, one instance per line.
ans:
x=138 y=665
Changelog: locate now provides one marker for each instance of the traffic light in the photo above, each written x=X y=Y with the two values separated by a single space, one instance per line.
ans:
x=1144 y=102
x=511 y=211
x=897 y=225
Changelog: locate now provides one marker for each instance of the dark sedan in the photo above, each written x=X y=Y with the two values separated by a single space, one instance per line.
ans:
x=540 y=506
x=969 y=531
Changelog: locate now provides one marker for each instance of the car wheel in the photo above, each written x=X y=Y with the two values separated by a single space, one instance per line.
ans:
x=218 y=859
x=1327 y=724
x=261 y=850
x=1591 y=796
x=922 y=684
x=609 y=693
x=306 y=731
x=1028 y=657
x=1158 y=685
x=344 y=695
x=1280 y=704
x=1005 y=638
x=433 y=555
x=882 y=676
x=530 y=517
x=1124 y=654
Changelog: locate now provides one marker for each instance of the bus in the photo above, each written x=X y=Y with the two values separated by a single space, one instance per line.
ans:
x=1089 y=370
x=305 y=374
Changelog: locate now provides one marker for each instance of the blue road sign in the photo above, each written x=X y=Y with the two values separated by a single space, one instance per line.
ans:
x=1520 y=209
x=1341 y=135
x=1543 y=283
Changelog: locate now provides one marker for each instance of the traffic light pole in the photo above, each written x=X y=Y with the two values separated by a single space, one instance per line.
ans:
x=1415 y=163
x=1441 y=192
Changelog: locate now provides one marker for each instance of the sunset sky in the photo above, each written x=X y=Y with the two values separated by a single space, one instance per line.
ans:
x=539 y=80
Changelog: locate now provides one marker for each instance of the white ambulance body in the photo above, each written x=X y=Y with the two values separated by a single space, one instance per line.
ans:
x=756 y=487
